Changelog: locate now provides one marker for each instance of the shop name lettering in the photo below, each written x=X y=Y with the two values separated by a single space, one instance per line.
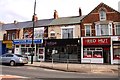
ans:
x=51 y=43
x=93 y=41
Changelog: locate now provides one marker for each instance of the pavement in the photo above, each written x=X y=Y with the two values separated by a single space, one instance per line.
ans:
x=70 y=67
x=82 y=68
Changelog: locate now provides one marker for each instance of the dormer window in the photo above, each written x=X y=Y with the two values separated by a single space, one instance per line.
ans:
x=102 y=15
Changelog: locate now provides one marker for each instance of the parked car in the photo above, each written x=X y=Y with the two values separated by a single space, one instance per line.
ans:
x=13 y=59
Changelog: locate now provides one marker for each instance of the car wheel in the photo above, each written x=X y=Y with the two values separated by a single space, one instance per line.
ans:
x=12 y=63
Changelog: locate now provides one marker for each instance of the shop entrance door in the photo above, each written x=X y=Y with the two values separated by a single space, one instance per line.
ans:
x=106 y=56
x=41 y=54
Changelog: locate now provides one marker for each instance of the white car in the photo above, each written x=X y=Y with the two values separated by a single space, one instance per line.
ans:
x=13 y=59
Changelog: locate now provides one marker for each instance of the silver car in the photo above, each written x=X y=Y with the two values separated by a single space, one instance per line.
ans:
x=13 y=59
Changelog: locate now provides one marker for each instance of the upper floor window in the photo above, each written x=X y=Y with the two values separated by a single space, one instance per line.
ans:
x=67 y=33
x=52 y=35
x=26 y=35
x=87 y=30
x=103 y=29
x=13 y=36
x=117 y=29
x=8 y=36
x=102 y=15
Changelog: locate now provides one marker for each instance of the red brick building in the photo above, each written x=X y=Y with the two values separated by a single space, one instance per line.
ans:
x=100 y=32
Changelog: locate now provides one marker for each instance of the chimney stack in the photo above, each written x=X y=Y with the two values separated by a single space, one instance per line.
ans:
x=80 y=12
x=15 y=22
x=119 y=6
x=55 y=14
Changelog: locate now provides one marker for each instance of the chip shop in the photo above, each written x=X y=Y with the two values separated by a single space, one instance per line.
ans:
x=96 y=50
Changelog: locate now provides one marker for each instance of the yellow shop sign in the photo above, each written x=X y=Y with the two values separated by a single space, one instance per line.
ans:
x=7 y=42
x=9 y=45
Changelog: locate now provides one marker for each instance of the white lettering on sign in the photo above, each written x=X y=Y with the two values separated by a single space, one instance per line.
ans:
x=102 y=40
x=91 y=41
x=96 y=41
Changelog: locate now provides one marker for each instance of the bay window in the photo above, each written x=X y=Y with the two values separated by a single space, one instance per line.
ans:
x=103 y=29
x=117 y=29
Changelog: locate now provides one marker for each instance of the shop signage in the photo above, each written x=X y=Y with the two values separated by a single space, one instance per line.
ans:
x=36 y=41
x=9 y=46
x=52 y=43
x=96 y=41
x=7 y=42
x=118 y=38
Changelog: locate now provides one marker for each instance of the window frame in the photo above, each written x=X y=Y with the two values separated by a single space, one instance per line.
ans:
x=98 y=29
x=102 y=15
x=68 y=27
x=86 y=30
x=8 y=36
x=116 y=28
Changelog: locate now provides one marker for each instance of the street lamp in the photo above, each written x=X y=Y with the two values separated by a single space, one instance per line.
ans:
x=33 y=19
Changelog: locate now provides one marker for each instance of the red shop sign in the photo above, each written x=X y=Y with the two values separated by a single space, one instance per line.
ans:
x=96 y=41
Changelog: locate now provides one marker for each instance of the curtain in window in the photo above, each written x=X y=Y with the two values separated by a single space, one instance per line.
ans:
x=87 y=30
x=67 y=33
x=104 y=30
x=117 y=29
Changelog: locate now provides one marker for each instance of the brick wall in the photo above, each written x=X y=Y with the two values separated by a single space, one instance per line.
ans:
x=93 y=16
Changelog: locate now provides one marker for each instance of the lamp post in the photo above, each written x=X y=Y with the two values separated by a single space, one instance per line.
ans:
x=33 y=19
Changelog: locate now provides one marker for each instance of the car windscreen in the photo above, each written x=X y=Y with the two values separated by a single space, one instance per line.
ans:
x=18 y=55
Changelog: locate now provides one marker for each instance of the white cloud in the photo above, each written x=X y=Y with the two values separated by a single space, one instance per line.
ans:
x=22 y=10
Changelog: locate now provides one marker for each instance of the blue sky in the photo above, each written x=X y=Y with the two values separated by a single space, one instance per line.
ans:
x=22 y=10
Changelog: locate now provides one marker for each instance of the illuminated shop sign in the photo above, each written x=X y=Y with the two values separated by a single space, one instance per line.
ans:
x=36 y=41
x=96 y=41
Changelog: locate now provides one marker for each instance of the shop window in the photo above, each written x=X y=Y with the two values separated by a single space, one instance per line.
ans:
x=87 y=30
x=27 y=45
x=116 y=54
x=87 y=54
x=22 y=45
x=117 y=29
x=17 y=46
x=97 y=54
x=23 y=51
x=93 y=53
x=32 y=45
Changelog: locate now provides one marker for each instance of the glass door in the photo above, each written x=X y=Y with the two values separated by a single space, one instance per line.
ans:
x=41 y=54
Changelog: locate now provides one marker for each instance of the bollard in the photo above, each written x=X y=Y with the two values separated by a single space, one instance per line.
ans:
x=67 y=64
x=52 y=62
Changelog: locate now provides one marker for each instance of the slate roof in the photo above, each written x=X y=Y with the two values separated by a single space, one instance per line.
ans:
x=67 y=20
x=44 y=22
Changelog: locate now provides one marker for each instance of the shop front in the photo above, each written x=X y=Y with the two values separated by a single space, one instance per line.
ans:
x=95 y=50
x=116 y=50
x=24 y=47
x=7 y=46
x=61 y=50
